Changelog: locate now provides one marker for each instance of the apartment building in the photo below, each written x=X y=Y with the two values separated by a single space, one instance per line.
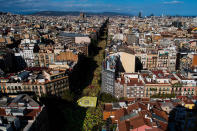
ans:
x=22 y=113
x=129 y=86
x=41 y=81
x=113 y=65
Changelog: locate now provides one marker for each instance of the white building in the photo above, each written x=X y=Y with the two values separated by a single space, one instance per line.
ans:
x=27 y=54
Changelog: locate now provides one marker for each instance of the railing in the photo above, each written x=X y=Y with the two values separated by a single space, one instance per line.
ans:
x=153 y=89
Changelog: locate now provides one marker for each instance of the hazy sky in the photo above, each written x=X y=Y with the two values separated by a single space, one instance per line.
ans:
x=157 y=7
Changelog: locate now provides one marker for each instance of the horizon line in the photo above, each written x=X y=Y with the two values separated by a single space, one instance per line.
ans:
x=125 y=13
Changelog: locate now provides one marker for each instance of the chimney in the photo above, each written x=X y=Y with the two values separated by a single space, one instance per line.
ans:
x=126 y=80
x=151 y=120
x=148 y=107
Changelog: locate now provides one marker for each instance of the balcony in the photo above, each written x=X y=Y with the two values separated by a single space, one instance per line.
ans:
x=153 y=89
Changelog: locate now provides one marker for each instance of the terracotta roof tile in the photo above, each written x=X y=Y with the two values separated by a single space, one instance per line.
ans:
x=194 y=62
x=107 y=114
x=67 y=56
x=2 y=112
x=108 y=107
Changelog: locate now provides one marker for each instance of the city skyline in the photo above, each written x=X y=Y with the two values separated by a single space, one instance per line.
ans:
x=147 y=7
x=84 y=65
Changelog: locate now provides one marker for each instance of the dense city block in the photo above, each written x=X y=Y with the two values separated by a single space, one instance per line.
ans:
x=93 y=72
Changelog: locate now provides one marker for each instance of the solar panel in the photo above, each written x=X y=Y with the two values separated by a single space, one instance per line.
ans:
x=128 y=116
x=158 y=117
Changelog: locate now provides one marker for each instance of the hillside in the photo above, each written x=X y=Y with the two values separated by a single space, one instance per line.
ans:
x=77 y=13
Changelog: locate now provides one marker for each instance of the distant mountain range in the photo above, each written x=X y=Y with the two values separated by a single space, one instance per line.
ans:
x=3 y=13
x=77 y=13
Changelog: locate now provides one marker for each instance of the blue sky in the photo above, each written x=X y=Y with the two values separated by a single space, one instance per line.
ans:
x=157 y=7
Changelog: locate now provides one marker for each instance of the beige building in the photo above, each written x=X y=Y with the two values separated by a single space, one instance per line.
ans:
x=80 y=40
x=128 y=62
x=157 y=89
x=151 y=61
x=49 y=83
x=44 y=59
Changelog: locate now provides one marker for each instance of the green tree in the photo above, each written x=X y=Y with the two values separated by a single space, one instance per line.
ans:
x=105 y=97
x=68 y=95
x=93 y=118
x=163 y=96
x=122 y=98
x=177 y=85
